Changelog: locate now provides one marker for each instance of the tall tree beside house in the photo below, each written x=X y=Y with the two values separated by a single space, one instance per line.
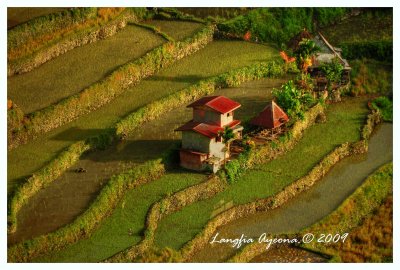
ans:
x=227 y=135
x=333 y=72
x=304 y=53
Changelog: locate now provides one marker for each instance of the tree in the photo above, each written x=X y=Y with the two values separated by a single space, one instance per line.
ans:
x=293 y=100
x=306 y=49
x=227 y=135
x=333 y=72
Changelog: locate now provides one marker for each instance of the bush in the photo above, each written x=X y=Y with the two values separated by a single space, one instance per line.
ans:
x=292 y=100
x=385 y=106
x=369 y=77
x=278 y=25
x=378 y=50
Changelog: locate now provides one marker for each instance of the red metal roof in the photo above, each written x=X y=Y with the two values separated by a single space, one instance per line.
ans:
x=218 y=103
x=271 y=117
x=210 y=131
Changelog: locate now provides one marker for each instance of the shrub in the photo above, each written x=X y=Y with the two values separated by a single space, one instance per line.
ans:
x=369 y=77
x=292 y=100
x=333 y=72
x=378 y=50
x=385 y=106
x=278 y=25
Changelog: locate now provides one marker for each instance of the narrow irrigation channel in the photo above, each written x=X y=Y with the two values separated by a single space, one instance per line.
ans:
x=71 y=194
x=307 y=208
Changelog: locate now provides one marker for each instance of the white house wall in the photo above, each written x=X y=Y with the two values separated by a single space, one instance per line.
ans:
x=194 y=141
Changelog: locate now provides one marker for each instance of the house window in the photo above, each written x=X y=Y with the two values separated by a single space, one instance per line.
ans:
x=229 y=114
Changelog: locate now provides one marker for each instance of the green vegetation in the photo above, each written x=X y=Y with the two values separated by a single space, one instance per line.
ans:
x=104 y=91
x=352 y=213
x=368 y=35
x=86 y=223
x=221 y=55
x=21 y=35
x=333 y=72
x=178 y=30
x=293 y=101
x=278 y=25
x=371 y=25
x=204 y=87
x=125 y=226
x=306 y=49
x=269 y=178
x=58 y=166
x=16 y=16
x=155 y=30
x=75 y=70
x=27 y=39
x=371 y=77
x=385 y=107
x=378 y=50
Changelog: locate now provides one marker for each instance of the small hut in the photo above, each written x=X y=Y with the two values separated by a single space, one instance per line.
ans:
x=271 y=117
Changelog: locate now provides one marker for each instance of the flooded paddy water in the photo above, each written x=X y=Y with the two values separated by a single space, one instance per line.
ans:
x=308 y=207
x=67 y=197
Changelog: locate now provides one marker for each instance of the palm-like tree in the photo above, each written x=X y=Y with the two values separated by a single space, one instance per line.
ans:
x=307 y=48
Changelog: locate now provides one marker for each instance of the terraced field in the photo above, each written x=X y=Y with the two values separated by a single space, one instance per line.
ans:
x=266 y=179
x=17 y=16
x=175 y=29
x=71 y=194
x=77 y=69
x=364 y=27
x=221 y=56
x=43 y=215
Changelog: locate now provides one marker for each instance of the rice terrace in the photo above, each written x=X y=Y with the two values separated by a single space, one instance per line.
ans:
x=199 y=134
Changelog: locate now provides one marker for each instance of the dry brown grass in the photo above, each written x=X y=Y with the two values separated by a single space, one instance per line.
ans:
x=372 y=241
x=33 y=44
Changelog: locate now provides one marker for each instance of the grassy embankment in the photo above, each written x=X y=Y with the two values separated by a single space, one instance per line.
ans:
x=77 y=69
x=36 y=34
x=18 y=15
x=267 y=179
x=367 y=216
x=124 y=227
x=221 y=56
x=176 y=29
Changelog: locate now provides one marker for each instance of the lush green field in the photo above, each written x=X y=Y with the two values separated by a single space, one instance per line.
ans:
x=18 y=15
x=216 y=58
x=365 y=27
x=176 y=29
x=343 y=124
x=125 y=226
x=77 y=69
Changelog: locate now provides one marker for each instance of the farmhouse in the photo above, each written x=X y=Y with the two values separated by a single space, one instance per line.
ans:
x=203 y=147
x=327 y=54
x=271 y=117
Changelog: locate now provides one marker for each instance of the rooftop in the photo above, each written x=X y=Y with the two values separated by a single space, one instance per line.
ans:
x=220 y=104
x=210 y=131
x=271 y=117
